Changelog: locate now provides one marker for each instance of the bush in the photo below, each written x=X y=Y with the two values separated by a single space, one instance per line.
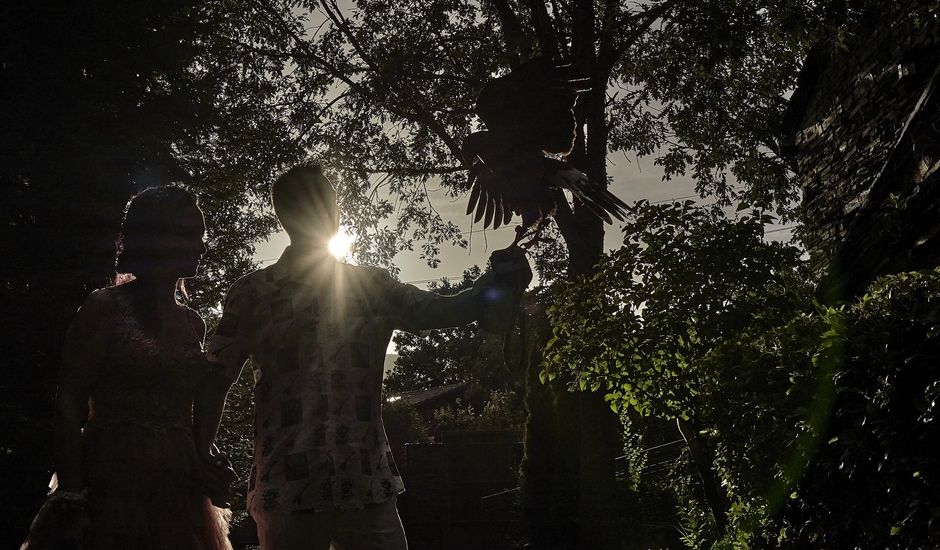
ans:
x=825 y=427
x=822 y=422
x=403 y=424
x=502 y=411
x=875 y=480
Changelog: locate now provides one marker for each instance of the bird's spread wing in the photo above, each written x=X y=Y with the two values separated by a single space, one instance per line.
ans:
x=591 y=194
x=486 y=198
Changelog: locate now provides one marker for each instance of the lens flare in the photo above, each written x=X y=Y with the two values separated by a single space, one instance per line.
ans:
x=341 y=243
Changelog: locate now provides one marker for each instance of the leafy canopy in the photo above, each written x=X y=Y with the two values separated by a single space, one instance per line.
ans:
x=384 y=91
x=685 y=279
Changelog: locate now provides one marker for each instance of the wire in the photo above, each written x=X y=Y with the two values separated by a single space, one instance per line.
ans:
x=421 y=281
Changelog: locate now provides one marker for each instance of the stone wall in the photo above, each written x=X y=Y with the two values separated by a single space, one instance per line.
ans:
x=863 y=131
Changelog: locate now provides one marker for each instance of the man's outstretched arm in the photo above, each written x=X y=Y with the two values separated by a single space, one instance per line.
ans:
x=496 y=291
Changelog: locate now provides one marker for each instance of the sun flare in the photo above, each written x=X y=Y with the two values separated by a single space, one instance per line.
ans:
x=341 y=243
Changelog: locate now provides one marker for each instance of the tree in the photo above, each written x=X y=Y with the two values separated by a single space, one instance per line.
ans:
x=877 y=422
x=384 y=91
x=700 y=85
x=686 y=280
x=221 y=94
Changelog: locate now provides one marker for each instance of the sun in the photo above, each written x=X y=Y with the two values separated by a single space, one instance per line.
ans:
x=342 y=242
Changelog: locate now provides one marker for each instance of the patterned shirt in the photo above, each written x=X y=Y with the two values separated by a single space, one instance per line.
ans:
x=316 y=331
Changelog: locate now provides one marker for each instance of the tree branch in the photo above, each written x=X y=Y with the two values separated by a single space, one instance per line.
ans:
x=420 y=115
x=582 y=36
x=548 y=41
x=607 y=33
x=406 y=171
x=343 y=24
x=323 y=110
x=610 y=51
x=512 y=31
x=565 y=51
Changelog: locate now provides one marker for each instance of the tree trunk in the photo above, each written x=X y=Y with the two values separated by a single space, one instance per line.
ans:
x=587 y=433
x=591 y=448
x=715 y=498
x=538 y=466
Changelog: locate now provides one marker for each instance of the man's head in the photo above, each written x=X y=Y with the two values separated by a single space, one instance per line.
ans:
x=305 y=203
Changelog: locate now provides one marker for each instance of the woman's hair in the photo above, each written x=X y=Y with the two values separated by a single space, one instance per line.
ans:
x=149 y=214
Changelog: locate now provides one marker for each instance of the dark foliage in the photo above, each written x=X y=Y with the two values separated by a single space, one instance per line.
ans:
x=875 y=480
x=99 y=101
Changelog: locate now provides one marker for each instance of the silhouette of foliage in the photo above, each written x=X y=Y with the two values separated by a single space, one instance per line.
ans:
x=701 y=87
x=384 y=92
x=99 y=101
x=821 y=419
x=104 y=99
x=661 y=322
x=685 y=279
x=501 y=411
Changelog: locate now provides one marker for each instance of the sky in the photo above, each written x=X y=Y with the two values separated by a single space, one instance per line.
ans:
x=632 y=180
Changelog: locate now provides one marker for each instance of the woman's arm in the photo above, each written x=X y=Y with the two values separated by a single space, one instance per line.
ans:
x=85 y=343
x=207 y=411
x=228 y=352
x=207 y=406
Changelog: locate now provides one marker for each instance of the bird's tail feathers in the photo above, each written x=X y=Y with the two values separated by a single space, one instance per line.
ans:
x=592 y=195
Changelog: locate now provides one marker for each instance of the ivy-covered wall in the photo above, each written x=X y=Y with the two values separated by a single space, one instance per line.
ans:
x=863 y=134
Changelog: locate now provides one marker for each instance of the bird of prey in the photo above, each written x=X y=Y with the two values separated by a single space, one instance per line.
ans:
x=529 y=115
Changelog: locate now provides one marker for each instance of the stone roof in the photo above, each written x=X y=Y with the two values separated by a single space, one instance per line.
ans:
x=851 y=126
x=432 y=396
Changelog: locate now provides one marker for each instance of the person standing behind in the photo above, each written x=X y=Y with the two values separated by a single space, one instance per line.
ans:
x=316 y=331
x=130 y=400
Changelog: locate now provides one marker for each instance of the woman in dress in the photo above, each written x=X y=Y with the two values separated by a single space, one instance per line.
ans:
x=132 y=463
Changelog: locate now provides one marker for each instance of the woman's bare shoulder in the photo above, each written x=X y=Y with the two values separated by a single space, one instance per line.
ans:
x=101 y=301
x=98 y=311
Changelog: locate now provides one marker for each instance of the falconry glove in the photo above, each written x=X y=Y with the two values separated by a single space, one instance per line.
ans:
x=497 y=302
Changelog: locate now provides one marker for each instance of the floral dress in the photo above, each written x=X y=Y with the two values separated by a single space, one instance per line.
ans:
x=140 y=463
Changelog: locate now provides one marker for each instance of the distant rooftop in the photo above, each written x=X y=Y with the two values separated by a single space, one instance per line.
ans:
x=432 y=396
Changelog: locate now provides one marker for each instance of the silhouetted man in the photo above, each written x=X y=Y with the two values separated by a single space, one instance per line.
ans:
x=316 y=331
